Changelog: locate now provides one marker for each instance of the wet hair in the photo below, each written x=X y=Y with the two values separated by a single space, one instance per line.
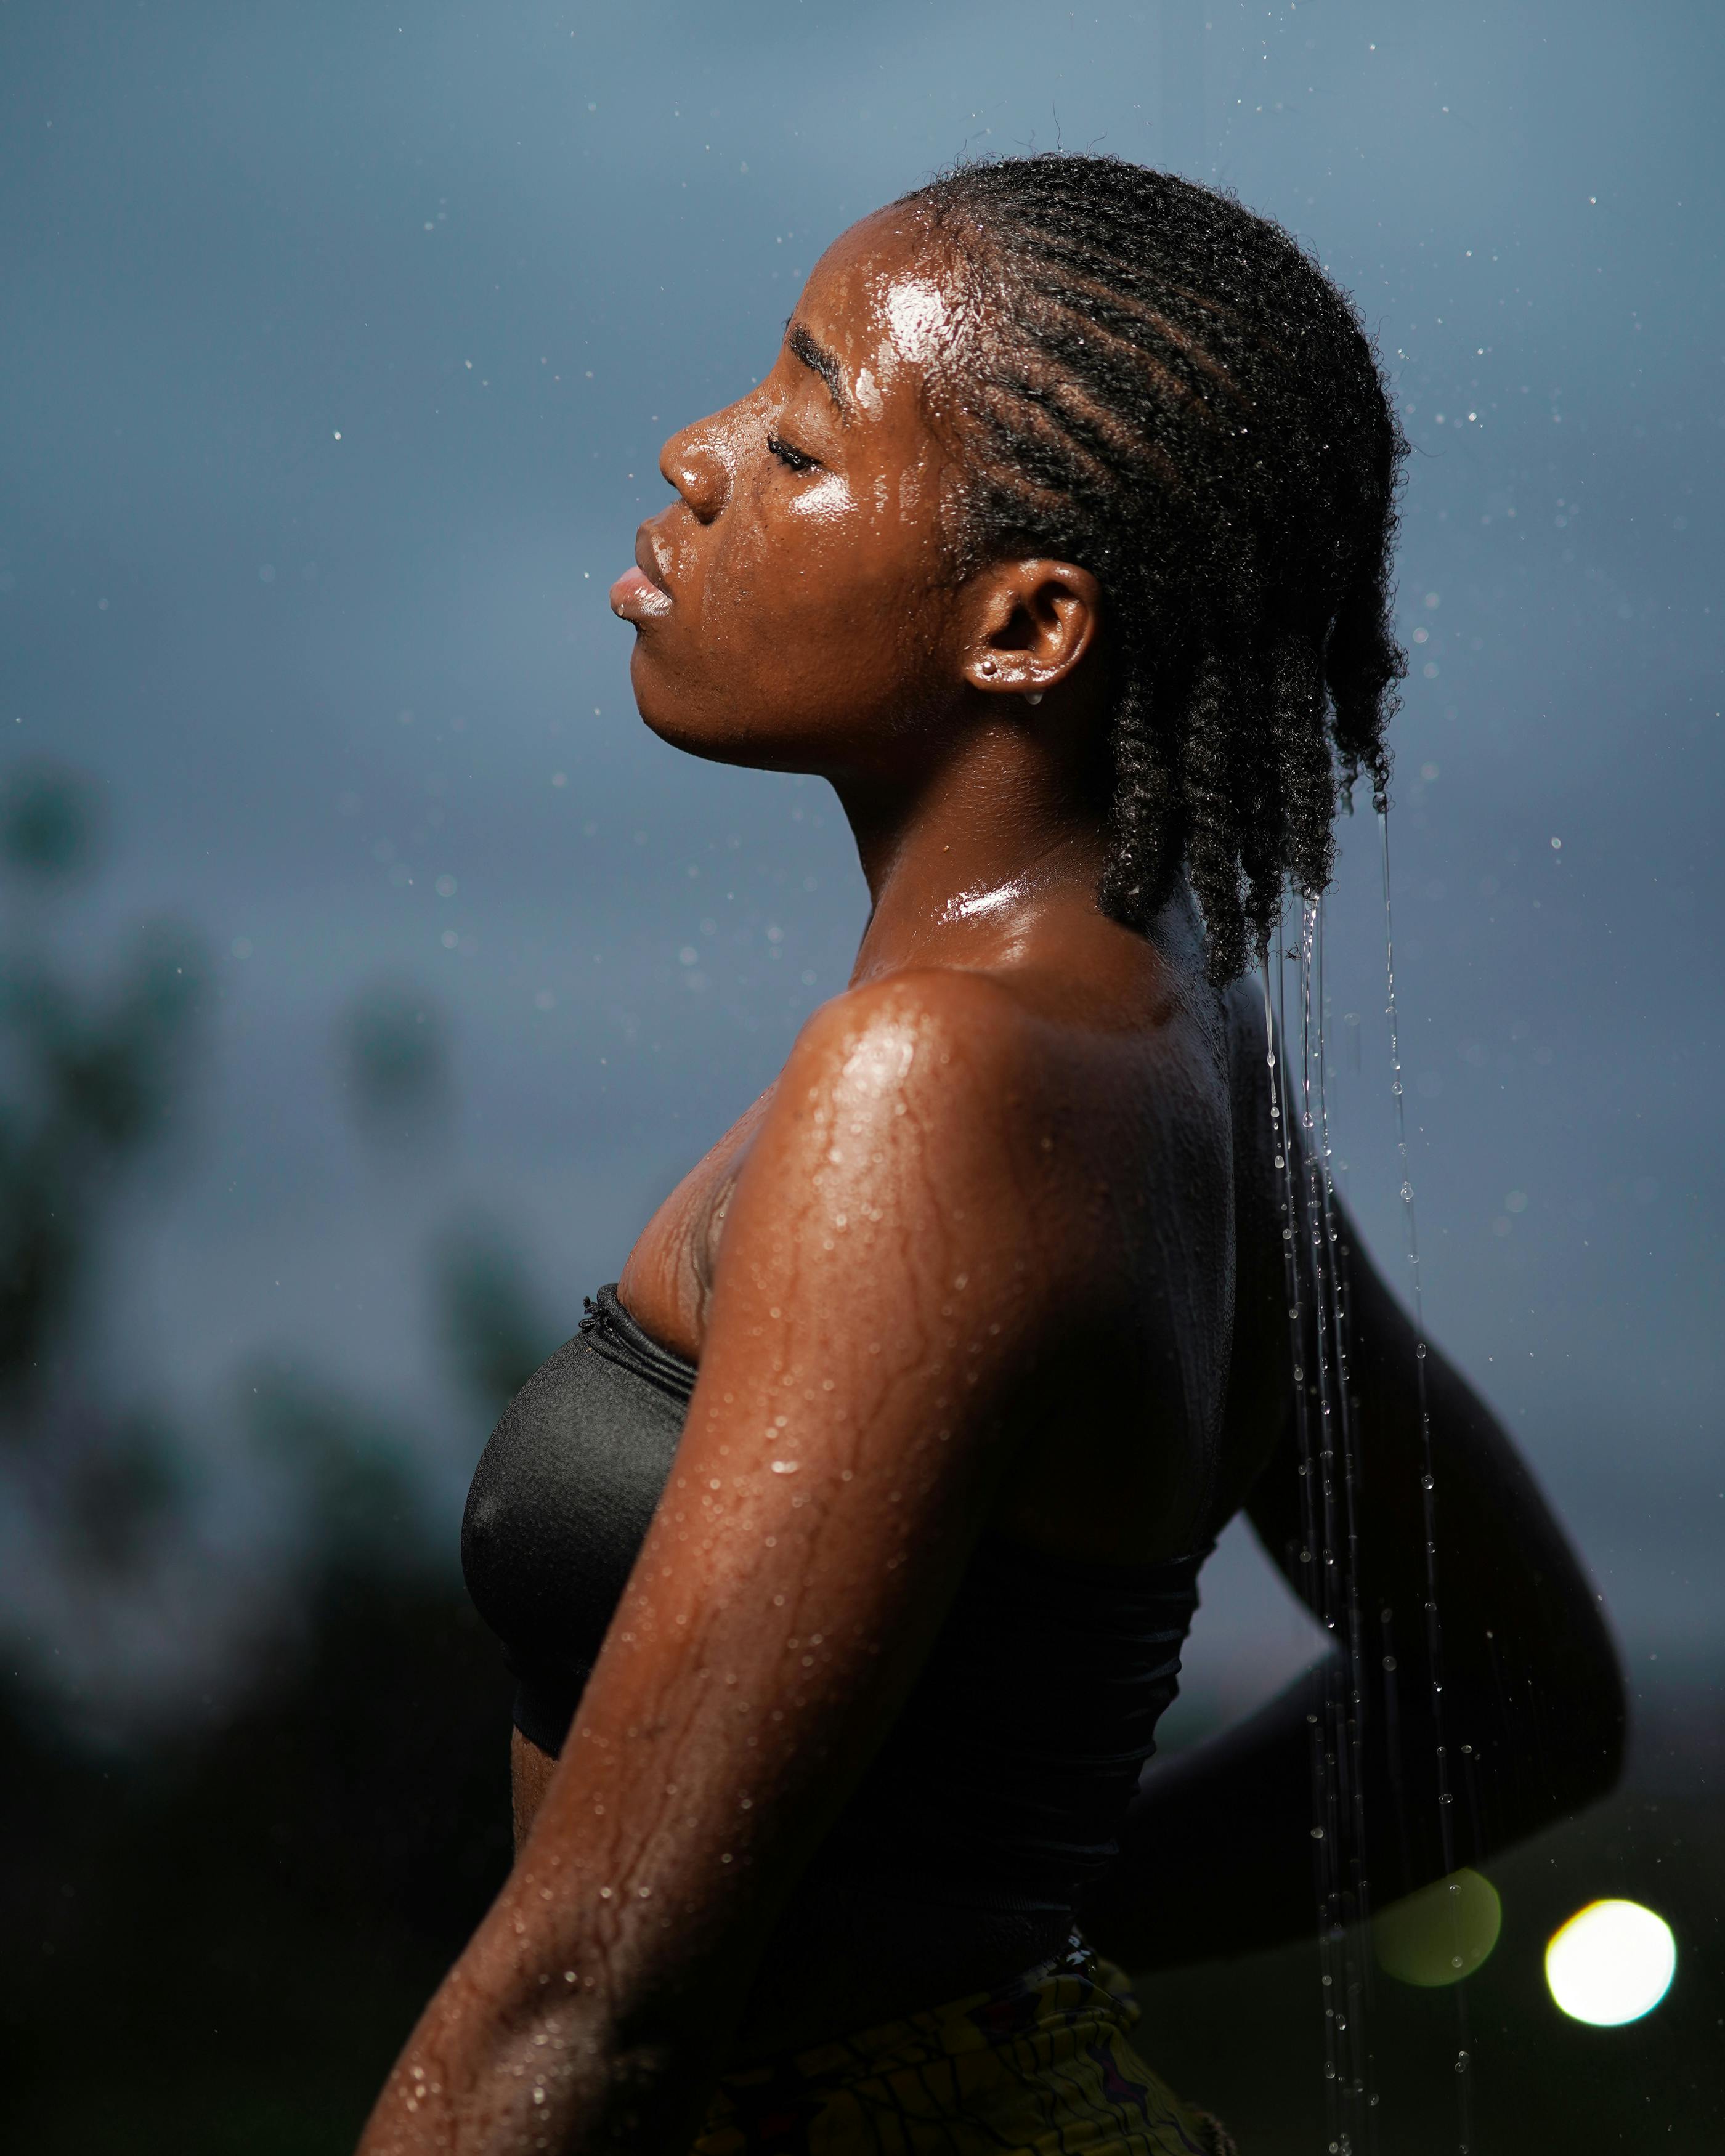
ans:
x=1161 y=385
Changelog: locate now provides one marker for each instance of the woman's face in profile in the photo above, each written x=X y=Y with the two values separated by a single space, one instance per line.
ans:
x=793 y=605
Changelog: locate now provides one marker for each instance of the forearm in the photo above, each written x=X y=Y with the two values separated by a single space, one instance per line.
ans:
x=503 y=2065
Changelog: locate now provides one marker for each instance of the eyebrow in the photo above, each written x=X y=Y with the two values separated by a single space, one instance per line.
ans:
x=819 y=361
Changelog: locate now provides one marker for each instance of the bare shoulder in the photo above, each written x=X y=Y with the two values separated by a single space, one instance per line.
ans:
x=913 y=1106
x=1031 y=1082
x=953 y=1064
x=944 y=1029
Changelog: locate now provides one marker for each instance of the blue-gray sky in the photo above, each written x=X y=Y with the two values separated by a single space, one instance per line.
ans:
x=337 y=348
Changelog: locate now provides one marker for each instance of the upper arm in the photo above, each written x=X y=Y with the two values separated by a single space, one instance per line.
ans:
x=870 y=1309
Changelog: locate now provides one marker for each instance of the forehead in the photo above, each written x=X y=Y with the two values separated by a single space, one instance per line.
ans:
x=885 y=300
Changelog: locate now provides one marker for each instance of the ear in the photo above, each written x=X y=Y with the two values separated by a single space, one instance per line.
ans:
x=1026 y=625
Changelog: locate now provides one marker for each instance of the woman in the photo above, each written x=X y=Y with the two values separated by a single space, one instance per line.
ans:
x=845 y=1555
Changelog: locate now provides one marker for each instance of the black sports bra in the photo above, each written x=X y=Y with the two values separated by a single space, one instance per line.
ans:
x=1004 y=1781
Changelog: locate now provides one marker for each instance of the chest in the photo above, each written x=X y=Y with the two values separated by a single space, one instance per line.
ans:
x=667 y=1280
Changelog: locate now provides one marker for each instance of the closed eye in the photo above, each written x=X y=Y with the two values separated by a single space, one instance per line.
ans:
x=792 y=459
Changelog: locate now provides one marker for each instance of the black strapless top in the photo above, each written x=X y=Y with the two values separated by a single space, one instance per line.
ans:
x=1005 y=1780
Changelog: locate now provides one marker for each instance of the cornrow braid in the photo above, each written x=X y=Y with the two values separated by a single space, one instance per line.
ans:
x=1165 y=387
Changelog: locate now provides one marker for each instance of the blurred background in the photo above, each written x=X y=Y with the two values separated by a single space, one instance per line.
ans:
x=367 y=973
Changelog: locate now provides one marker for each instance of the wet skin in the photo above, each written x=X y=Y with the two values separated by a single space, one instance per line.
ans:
x=1000 y=1247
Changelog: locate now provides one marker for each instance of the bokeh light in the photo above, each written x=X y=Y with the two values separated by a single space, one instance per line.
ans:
x=1441 y=1934
x=1613 y=1962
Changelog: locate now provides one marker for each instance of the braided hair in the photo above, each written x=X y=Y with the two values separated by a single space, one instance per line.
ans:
x=1164 y=387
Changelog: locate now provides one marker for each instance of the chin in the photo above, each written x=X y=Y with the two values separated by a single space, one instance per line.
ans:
x=707 y=727
x=674 y=730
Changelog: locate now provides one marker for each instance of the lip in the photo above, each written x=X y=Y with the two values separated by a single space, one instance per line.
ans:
x=636 y=597
x=639 y=594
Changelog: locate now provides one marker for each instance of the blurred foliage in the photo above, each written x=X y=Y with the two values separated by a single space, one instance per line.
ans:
x=90 y=1078
x=218 y=1931
x=491 y=1328
x=120 y=1495
x=353 y=1482
x=89 y=1075
x=395 y=1055
x=217 y=1944
x=50 y=825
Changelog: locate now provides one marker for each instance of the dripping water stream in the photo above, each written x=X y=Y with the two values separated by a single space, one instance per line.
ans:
x=1320 y=1809
x=1327 y=1432
x=1341 y=1304
x=1323 y=1430
x=1427 y=1485
x=1346 y=1688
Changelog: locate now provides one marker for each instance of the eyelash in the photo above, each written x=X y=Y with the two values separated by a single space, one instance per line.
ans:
x=794 y=459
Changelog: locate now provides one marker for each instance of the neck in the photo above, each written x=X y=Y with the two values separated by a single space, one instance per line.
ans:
x=997 y=830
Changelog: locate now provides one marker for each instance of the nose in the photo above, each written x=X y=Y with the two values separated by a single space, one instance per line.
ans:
x=695 y=464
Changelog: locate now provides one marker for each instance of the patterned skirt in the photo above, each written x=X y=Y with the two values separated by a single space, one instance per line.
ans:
x=1042 y=2064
